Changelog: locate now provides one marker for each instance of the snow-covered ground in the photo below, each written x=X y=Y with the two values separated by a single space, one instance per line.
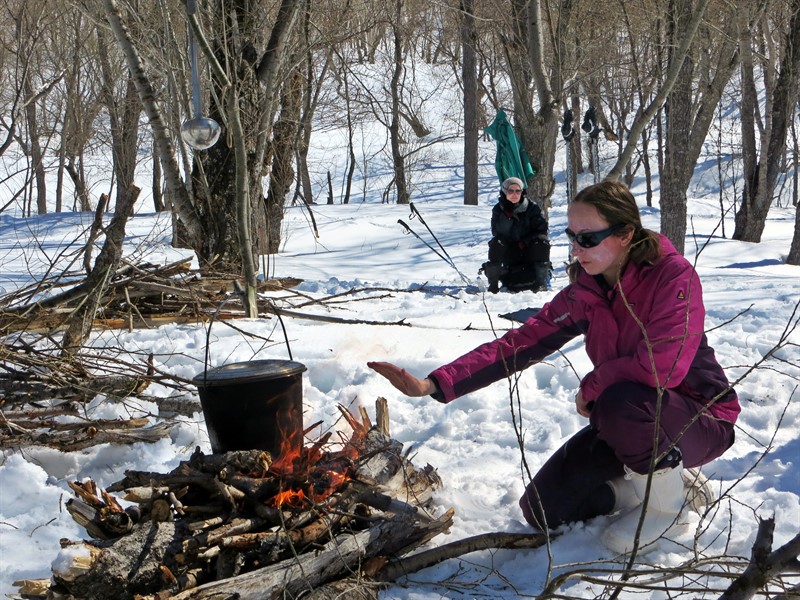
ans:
x=751 y=298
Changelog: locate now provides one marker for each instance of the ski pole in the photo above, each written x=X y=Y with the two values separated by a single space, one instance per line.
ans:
x=446 y=259
x=415 y=212
x=414 y=233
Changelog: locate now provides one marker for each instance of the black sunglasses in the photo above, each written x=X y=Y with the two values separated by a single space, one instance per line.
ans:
x=590 y=239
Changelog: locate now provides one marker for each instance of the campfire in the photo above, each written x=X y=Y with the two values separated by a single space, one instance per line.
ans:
x=246 y=524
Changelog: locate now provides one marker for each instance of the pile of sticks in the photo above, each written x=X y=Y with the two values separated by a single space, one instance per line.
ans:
x=135 y=296
x=240 y=523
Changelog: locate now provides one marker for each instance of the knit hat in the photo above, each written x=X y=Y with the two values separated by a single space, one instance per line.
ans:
x=511 y=180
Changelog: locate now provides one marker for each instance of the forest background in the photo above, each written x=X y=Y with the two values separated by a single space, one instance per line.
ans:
x=79 y=78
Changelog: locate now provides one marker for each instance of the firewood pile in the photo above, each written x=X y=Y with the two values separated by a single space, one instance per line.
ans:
x=41 y=384
x=244 y=524
x=136 y=296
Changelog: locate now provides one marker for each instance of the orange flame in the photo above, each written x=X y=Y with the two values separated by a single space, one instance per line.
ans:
x=328 y=482
x=290 y=454
x=310 y=475
x=294 y=498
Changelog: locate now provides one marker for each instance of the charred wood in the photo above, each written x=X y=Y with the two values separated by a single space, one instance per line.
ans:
x=239 y=523
x=344 y=555
x=100 y=524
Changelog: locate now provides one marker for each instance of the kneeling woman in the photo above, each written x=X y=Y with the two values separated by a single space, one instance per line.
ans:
x=519 y=251
x=656 y=399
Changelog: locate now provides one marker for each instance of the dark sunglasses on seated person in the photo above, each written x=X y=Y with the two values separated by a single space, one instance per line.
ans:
x=590 y=239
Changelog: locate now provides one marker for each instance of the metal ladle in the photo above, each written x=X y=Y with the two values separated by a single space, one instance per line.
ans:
x=199 y=132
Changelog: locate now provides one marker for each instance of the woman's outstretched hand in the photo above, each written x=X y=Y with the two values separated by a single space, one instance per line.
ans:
x=403 y=380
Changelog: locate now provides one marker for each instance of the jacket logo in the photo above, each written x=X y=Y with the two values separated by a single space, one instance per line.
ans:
x=681 y=295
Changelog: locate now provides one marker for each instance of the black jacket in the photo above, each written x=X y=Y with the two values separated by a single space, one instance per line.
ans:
x=521 y=223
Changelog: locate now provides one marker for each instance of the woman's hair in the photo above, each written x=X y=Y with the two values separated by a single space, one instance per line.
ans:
x=616 y=204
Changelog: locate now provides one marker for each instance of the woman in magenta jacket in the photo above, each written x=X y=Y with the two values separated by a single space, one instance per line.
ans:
x=639 y=304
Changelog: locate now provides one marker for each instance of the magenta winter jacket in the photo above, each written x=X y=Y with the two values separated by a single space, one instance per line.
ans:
x=666 y=300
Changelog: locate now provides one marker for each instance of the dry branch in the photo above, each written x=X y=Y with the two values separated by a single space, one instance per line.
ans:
x=764 y=563
x=422 y=560
x=80 y=322
x=71 y=440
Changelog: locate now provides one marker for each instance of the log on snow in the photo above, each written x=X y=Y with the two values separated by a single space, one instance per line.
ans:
x=345 y=555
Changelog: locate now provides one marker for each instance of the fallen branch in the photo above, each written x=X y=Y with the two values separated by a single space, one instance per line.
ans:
x=88 y=436
x=271 y=308
x=764 y=564
x=485 y=541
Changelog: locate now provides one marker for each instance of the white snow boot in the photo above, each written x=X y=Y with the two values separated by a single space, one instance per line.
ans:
x=699 y=491
x=625 y=497
x=665 y=514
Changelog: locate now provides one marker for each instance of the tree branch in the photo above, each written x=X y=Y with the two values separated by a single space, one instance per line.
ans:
x=764 y=564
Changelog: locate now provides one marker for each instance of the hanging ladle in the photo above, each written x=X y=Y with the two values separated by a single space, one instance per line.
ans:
x=199 y=132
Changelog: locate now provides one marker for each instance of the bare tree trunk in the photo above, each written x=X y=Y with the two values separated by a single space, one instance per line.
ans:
x=158 y=197
x=677 y=165
x=516 y=48
x=761 y=179
x=268 y=76
x=242 y=202
x=403 y=197
x=537 y=130
x=312 y=87
x=283 y=145
x=794 y=250
x=549 y=89
x=62 y=163
x=795 y=165
x=689 y=115
x=304 y=133
x=124 y=118
x=219 y=183
x=162 y=138
x=470 y=82
x=577 y=149
x=34 y=148
x=78 y=115
x=644 y=116
x=351 y=154
x=641 y=93
x=79 y=182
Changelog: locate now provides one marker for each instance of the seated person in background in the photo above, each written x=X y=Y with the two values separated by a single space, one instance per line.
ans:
x=519 y=251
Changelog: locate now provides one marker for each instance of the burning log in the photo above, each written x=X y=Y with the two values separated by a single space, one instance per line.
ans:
x=250 y=525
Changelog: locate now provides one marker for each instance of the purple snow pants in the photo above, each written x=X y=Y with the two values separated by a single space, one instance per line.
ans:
x=570 y=486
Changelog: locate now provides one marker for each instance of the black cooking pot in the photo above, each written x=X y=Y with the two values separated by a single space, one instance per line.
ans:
x=253 y=405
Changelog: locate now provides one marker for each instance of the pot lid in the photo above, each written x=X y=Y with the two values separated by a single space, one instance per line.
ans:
x=253 y=370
